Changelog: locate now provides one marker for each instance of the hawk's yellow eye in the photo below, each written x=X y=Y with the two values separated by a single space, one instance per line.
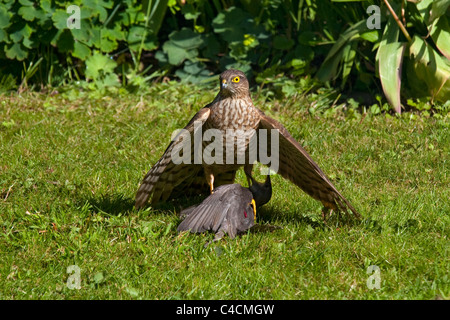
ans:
x=236 y=79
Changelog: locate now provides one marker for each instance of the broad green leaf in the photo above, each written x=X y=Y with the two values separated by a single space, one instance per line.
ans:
x=186 y=39
x=193 y=72
x=432 y=70
x=19 y=35
x=84 y=33
x=65 y=41
x=31 y=13
x=81 y=51
x=16 y=52
x=438 y=9
x=59 y=18
x=390 y=62
x=3 y=36
x=371 y=36
x=46 y=6
x=5 y=18
x=440 y=33
x=176 y=55
x=98 y=64
x=113 y=34
x=26 y=2
x=190 y=12
x=232 y=24
x=210 y=47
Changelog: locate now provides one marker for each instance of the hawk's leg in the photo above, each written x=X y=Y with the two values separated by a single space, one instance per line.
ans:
x=327 y=210
x=210 y=179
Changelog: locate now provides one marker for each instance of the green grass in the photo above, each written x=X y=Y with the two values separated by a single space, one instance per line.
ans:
x=69 y=170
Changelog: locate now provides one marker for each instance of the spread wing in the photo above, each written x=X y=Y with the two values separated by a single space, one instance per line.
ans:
x=166 y=177
x=169 y=179
x=228 y=209
x=296 y=165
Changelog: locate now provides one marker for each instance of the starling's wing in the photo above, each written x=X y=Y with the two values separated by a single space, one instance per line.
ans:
x=227 y=209
x=296 y=165
x=208 y=214
x=166 y=178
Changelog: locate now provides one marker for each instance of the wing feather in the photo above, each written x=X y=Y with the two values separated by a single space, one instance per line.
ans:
x=296 y=165
x=163 y=178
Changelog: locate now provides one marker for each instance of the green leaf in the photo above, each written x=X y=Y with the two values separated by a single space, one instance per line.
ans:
x=282 y=43
x=84 y=33
x=98 y=64
x=371 y=36
x=210 y=47
x=3 y=36
x=19 y=35
x=438 y=9
x=59 y=18
x=81 y=51
x=189 y=12
x=186 y=39
x=440 y=33
x=390 y=69
x=65 y=41
x=389 y=59
x=31 y=13
x=193 y=72
x=26 y=2
x=5 y=18
x=15 y=52
x=232 y=24
x=431 y=70
x=176 y=55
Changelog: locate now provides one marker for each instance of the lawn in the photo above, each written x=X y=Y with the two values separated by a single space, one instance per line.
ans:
x=70 y=167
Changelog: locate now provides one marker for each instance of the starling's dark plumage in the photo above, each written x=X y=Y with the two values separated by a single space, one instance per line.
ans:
x=228 y=210
x=233 y=109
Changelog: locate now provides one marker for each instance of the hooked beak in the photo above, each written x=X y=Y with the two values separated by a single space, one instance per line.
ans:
x=224 y=84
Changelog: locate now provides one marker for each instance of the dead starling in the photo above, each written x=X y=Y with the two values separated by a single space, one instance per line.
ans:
x=230 y=209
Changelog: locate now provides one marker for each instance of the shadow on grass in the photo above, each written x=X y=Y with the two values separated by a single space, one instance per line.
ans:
x=115 y=204
x=269 y=216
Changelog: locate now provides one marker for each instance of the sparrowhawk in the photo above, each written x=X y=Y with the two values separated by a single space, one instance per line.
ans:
x=233 y=109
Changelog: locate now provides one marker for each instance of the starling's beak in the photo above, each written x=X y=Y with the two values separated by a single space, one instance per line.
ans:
x=254 y=209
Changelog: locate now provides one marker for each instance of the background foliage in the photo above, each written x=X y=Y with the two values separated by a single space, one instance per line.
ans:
x=288 y=46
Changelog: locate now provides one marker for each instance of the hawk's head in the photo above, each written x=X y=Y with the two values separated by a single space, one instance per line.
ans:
x=233 y=83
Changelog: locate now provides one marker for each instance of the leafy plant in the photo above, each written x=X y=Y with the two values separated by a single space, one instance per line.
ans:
x=50 y=33
x=424 y=55
x=284 y=46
